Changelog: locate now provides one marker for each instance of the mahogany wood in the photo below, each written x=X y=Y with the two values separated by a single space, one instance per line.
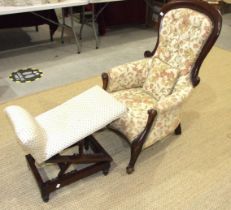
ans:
x=105 y=79
x=100 y=161
x=138 y=143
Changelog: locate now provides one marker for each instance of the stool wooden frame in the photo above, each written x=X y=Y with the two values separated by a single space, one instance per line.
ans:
x=100 y=161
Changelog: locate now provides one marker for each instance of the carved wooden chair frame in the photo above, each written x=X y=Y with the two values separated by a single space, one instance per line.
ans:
x=215 y=17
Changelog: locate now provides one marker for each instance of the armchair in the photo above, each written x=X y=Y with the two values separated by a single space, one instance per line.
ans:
x=154 y=88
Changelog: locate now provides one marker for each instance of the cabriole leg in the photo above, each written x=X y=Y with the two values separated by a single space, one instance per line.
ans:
x=135 y=152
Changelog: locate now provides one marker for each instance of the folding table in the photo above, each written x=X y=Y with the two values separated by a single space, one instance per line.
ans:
x=34 y=8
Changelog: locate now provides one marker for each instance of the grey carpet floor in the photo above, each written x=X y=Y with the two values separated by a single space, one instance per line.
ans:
x=23 y=48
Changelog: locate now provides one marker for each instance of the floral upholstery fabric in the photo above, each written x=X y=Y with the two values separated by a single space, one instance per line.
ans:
x=138 y=102
x=181 y=92
x=163 y=126
x=183 y=33
x=130 y=75
x=161 y=79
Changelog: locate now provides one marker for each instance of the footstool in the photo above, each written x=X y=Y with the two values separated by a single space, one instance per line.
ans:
x=70 y=124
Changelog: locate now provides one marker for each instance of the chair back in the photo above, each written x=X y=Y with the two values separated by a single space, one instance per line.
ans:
x=187 y=31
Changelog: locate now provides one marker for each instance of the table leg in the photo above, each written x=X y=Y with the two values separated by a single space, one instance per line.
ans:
x=82 y=21
x=73 y=30
x=94 y=26
x=63 y=23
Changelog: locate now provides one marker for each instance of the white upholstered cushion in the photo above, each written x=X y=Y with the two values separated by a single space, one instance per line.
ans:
x=71 y=121
x=28 y=131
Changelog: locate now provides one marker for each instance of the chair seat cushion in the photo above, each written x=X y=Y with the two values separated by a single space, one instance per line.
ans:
x=138 y=102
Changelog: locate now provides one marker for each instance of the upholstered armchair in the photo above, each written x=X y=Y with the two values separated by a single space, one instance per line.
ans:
x=154 y=88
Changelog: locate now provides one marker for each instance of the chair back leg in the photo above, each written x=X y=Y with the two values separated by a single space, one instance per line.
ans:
x=178 y=130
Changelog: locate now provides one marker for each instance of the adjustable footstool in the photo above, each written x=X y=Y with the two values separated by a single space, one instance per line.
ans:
x=70 y=124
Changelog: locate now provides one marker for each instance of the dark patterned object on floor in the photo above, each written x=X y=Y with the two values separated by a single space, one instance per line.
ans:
x=26 y=75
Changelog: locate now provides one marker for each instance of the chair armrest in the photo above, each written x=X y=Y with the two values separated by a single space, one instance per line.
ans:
x=130 y=75
x=181 y=91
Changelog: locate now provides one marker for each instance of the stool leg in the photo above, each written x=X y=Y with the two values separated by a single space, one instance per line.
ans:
x=45 y=195
x=42 y=185
x=106 y=169
x=63 y=23
x=86 y=144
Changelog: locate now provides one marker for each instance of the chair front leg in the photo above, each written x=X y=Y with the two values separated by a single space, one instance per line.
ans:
x=137 y=144
x=136 y=148
x=105 y=79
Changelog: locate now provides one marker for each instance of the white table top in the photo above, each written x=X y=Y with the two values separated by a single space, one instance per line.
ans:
x=34 y=8
x=102 y=1
x=68 y=3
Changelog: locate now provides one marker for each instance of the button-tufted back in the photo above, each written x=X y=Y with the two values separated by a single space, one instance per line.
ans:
x=183 y=33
